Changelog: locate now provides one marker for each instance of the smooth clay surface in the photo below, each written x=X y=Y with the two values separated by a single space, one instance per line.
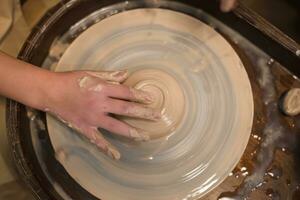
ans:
x=201 y=88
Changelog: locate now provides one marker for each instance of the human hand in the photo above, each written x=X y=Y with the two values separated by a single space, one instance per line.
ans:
x=84 y=100
x=228 y=5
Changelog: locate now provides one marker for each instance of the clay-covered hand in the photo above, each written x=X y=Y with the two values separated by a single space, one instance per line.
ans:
x=85 y=100
x=228 y=5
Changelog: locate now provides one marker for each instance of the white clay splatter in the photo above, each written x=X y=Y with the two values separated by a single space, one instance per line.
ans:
x=82 y=82
x=97 y=88
x=138 y=136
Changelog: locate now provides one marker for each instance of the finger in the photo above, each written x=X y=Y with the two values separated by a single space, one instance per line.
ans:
x=97 y=138
x=130 y=109
x=227 y=5
x=127 y=93
x=111 y=76
x=118 y=127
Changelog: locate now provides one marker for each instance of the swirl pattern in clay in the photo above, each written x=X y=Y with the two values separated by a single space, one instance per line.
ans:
x=199 y=84
x=168 y=98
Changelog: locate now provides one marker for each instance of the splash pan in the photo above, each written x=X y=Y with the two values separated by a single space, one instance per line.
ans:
x=215 y=121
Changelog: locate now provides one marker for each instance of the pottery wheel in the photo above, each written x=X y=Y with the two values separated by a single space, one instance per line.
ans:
x=201 y=87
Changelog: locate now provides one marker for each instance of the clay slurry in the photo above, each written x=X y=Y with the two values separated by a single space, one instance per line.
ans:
x=168 y=99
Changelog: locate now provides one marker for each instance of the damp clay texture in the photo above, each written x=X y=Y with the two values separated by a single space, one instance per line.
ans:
x=168 y=98
x=201 y=88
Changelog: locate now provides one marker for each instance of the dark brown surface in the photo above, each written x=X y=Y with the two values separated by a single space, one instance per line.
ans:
x=284 y=14
x=286 y=156
x=265 y=27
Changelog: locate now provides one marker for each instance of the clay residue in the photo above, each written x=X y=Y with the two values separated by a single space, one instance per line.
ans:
x=113 y=152
x=114 y=76
x=143 y=112
x=141 y=96
x=164 y=90
x=96 y=88
x=138 y=135
x=291 y=102
x=90 y=83
x=83 y=82
x=274 y=133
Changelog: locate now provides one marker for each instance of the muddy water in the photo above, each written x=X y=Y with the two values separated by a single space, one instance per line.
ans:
x=268 y=167
x=273 y=161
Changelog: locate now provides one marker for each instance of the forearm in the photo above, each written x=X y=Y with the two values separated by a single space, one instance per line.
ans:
x=24 y=82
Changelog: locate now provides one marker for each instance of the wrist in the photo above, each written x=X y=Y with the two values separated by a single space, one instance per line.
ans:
x=44 y=93
x=56 y=90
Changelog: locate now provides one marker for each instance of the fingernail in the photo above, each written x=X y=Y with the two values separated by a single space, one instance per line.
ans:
x=142 y=96
x=113 y=152
x=138 y=136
